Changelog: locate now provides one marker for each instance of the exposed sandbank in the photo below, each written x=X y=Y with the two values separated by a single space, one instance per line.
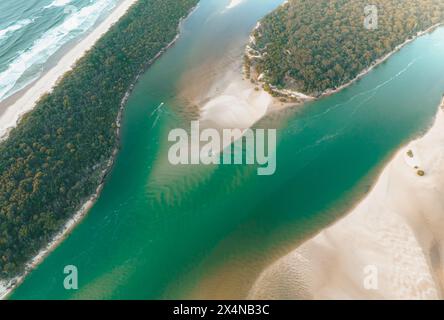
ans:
x=395 y=233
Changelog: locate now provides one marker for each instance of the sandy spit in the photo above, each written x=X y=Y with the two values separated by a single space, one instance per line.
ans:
x=391 y=246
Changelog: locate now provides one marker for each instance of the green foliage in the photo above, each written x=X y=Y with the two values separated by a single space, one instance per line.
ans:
x=311 y=46
x=52 y=162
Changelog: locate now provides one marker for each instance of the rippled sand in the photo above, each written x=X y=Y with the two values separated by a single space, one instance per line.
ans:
x=391 y=246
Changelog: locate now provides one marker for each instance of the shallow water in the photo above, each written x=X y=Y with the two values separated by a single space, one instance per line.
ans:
x=159 y=231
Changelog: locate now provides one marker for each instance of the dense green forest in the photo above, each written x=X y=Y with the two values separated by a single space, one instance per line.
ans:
x=311 y=46
x=53 y=161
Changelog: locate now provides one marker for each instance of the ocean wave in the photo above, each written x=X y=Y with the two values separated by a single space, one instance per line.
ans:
x=28 y=64
x=15 y=27
x=58 y=3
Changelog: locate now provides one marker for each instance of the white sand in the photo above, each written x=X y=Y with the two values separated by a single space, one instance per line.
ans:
x=396 y=231
x=6 y=287
x=238 y=106
x=253 y=54
x=27 y=102
x=233 y=4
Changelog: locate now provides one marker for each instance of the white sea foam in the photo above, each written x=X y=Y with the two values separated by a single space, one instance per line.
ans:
x=58 y=3
x=14 y=27
x=27 y=66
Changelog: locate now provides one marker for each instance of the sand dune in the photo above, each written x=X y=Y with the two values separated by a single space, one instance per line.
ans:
x=391 y=246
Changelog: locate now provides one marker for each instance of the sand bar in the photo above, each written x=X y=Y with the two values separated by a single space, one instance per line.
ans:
x=391 y=246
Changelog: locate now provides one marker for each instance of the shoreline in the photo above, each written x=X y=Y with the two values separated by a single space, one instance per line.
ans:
x=379 y=61
x=8 y=286
x=302 y=97
x=396 y=230
x=27 y=100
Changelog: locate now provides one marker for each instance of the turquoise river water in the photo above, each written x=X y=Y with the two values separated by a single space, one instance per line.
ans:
x=159 y=231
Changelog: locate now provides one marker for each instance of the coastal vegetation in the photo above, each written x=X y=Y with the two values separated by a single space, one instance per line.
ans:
x=316 y=46
x=54 y=160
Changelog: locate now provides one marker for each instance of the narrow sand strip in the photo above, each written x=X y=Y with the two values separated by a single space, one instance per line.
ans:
x=6 y=287
x=391 y=246
x=28 y=100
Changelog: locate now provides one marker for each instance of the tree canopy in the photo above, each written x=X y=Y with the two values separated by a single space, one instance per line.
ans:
x=312 y=46
x=54 y=159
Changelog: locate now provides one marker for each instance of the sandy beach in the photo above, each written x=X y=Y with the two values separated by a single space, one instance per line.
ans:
x=391 y=246
x=7 y=287
x=236 y=105
x=26 y=102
